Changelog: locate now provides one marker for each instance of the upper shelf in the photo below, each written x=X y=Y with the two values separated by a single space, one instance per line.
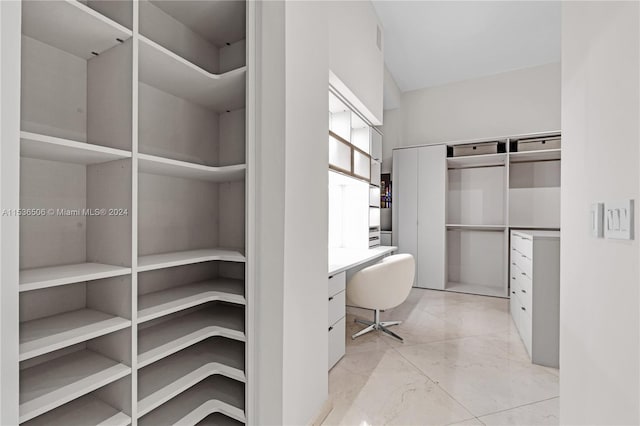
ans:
x=487 y=160
x=179 y=258
x=86 y=410
x=36 y=278
x=71 y=26
x=182 y=169
x=44 y=147
x=166 y=71
x=542 y=155
x=461 y=227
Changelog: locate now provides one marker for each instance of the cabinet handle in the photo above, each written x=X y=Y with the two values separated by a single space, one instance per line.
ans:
x=513 y=278
x=522 y=307
x=523 y=274
x=331 y=328
x=513 y=292
x=513 y=263
x=331 y=298
x=524 y=291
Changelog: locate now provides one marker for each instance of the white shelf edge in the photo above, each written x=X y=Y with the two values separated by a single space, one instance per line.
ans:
x=476 y=227
x=35 y=145
x=539 y=155
x=86 y=9
x=211 y=407
x=187 y=257
x=87 y=409
x=31 y=279
x=168 y=167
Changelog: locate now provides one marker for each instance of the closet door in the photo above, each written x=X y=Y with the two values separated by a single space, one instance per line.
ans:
x=405 y=201
x=431 y=202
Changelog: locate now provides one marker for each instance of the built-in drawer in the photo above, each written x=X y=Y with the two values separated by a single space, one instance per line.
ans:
x=336 y=342
x=514 y=305
x=523 y=262
x=337 y=283
x=526 y=330
x=336 y=307
x=523 y=244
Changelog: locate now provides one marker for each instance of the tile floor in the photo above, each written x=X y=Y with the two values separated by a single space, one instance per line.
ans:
x=462 y=363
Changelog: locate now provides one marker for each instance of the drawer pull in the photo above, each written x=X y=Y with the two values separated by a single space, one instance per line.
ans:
x=513 y=278
x=331 y=328
x=513 y=292
x=524 y=291
x=523 y=308
x=331 y=298
x=523 y=274
x=513 y=263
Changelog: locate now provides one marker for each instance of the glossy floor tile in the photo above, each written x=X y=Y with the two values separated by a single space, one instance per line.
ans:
x=462 y=362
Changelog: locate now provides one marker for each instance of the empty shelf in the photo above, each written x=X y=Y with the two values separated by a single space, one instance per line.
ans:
x=166 y=71
x=53 y=383
x=71 y=26
x=33 y=279
x=483 y=290
x=86 y=410
x=217 y=419
x=214 y=395
x=44 y=147
x=182 y=169
x=165 y=302
x=476 y=227
x=487 y=160
x=168 y=337
x=178 y=258
x=162 y=381
x=49 y=334
x=542 y=155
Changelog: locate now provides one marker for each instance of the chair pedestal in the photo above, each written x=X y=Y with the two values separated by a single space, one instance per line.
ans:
x=376 y=324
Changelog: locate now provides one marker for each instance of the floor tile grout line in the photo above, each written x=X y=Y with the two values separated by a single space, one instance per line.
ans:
x=520 y=406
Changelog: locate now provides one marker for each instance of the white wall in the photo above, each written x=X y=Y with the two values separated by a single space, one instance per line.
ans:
x=599 y=303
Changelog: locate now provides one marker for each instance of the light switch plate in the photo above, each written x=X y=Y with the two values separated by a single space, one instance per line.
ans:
x=596 y=220
x=618 y=220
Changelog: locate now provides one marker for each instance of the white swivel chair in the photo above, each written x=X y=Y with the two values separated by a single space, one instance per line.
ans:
x=384 y=285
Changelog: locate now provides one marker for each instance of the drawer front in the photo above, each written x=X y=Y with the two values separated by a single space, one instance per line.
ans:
x=514 y=307
x=526 y=331
x=336 y=307
x=522 y=244
x=336 y=342
x=523 y=262
x=337 y=283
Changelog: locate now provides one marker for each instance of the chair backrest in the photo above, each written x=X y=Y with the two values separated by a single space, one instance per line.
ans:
x=384 y=285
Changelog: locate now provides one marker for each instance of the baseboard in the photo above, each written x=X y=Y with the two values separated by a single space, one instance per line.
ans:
x=326 y=408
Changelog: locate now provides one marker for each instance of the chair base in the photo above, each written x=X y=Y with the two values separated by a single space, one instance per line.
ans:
x=376 y=324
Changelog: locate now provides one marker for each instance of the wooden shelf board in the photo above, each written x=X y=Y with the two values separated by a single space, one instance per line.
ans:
x=476 y=227
x=166 y=71
x=37 y=278
x=178 y=258
x=165 y=379
x=34 y=145
x=51 y=384
x=214 y=395
x=44 y=335
x=479 y=289
x=486 y=160
x=71 y=26
x=182 y=169
x=168 y=337
x=165 y=302
x=542 y=155
x=86 y=410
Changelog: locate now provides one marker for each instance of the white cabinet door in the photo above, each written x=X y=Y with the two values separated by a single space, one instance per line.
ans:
x=376 y=145
x=432 y=175
x=405 y=201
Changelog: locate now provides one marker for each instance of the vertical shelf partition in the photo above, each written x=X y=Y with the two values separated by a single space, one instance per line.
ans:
x=133 y=291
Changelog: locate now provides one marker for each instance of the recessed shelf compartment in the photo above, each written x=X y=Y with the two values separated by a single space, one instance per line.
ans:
x=165 y=379
x=167 y=260
x=170 y=73
x=542 y=155
x=51 y=384
x=461 y=227
x=169 y=335
x=213 y=395
x=37 y=278
x=71 y=26
x=486 y=160
x=51 y=333
x=165 y=166
x=86 y=410
x=175 y=299
x=33 y=145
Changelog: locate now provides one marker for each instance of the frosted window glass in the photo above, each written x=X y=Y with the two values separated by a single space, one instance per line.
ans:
x=360 y=138
x=340 y=124
x=339 y=154
x=374 y=217
x=361 y=165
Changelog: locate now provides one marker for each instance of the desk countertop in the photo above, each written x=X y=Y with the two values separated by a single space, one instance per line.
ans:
x=341 y=259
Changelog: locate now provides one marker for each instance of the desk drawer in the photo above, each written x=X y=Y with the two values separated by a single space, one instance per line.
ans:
x=336 y=307
x=337 y=283
x=336 y=342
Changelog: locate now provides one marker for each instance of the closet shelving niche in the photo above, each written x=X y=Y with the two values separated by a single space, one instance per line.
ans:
x=133 y=289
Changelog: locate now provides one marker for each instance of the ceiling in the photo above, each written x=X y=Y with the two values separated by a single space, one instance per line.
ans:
x=430 y=43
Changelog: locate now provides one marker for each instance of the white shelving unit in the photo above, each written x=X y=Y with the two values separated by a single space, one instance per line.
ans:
x=134 y=197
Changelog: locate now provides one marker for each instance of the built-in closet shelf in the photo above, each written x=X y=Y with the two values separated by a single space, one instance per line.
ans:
x=479 y=289
x=44 y=147
x=168 y=337
x=44 y=335
x=476 y=227
x=487 y=160
x=166 y=71
x=179 y=258
x=162 y=381
x=37 y=278
x=214 y=395
x=49 y=385
x=175 y=299
x=542 y=155
x=182 y=169
x=86 y=410
x=71 y=26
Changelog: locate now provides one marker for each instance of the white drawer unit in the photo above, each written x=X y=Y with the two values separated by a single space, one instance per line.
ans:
x=535 y=292
x=336 y=316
